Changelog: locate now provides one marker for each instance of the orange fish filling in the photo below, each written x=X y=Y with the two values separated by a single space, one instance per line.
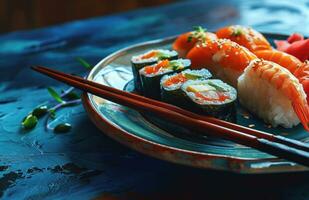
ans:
x=149 y=55
x=157 y=67
x=180 y=78
x=221 y=96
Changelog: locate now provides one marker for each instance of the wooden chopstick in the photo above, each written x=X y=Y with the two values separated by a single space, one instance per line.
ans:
x=260 y=134
x=277 y=149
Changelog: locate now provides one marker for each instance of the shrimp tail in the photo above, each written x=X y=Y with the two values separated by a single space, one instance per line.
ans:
x=302 y=111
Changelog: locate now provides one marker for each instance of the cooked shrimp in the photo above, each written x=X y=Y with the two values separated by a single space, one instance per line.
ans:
x=224 y=58
x=245 y=36
x=291 y=63
x=287 y=61
x=187 y=41
x=274 y=94
x=302 y=74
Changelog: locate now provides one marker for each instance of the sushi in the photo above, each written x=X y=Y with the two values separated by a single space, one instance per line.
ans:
x=224 y=58
x=244 y=36
x=152 y=74
x=294 y=65
x=149 y=58
x=211 y=97
x=185 y=42
x=171 y=85
x=273 y=94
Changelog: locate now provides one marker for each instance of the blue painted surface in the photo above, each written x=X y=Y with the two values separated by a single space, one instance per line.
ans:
x=85 y=164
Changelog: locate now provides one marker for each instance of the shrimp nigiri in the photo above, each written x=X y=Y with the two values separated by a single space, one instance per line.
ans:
x=245 y=36
x=274 y=94
x=223 y=58
x=296 y=67
x=187 y=41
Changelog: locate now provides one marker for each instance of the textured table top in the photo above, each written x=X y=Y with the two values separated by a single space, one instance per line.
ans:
x=84 y=163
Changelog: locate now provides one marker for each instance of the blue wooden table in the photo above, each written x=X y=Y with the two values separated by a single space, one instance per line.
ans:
x=84 y=163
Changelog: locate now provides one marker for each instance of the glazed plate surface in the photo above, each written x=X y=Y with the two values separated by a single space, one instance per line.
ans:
x=166 y=141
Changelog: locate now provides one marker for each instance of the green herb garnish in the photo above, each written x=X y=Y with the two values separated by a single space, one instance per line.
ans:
x=84 y=63
x=199 y=29
x=63 y=128
x=52 y=113
x=40 y=111
x=198 y=33
x=190 y=38
x=238 y=31
x=29 y=122
x=72 y=96
x=54 y=94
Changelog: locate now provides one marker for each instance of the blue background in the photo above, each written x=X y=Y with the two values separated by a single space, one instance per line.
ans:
x=85 y=164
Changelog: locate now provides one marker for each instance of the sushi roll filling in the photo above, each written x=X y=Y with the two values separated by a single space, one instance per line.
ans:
x=175 y=80
x=153 y=55
x=211 y=96
x=163 y=66
x=209 y=93
x=181 y=78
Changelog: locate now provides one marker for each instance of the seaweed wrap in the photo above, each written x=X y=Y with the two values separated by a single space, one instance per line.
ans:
x=171 y=85
x=211 y=97
x=151 y=75
x=149 y=58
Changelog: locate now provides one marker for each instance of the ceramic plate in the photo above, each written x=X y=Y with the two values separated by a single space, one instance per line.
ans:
x=149 y=136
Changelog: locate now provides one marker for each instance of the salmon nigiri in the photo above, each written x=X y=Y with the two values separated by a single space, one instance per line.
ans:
x=245 y=36
x=224 y=58
x=274 y=94
x=187 y=41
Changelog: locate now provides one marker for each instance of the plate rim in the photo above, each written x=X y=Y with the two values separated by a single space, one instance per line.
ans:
x=234 y=163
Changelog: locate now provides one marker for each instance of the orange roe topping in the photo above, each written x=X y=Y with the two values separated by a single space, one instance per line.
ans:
x=222 y=97
x=157 y=67
x=180 y=78
x=149 y=55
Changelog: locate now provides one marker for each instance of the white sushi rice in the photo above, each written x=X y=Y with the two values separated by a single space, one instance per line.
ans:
x=266 y=101
x=226 y=74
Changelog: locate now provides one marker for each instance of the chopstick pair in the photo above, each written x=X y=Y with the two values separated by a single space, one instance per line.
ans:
x=276 y=145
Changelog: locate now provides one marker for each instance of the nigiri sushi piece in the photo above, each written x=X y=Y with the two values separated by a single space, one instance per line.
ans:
x=245 y=36
x=273 y=94
x=187 y=41
x=225 y=59
x=296 y=67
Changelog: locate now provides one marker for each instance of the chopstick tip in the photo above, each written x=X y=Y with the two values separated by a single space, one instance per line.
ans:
x=34 y=67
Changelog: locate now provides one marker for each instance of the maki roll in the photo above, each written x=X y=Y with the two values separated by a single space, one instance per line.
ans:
x=151 y=75
x=211 y=97
x=149 y=58
x=171 y=85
